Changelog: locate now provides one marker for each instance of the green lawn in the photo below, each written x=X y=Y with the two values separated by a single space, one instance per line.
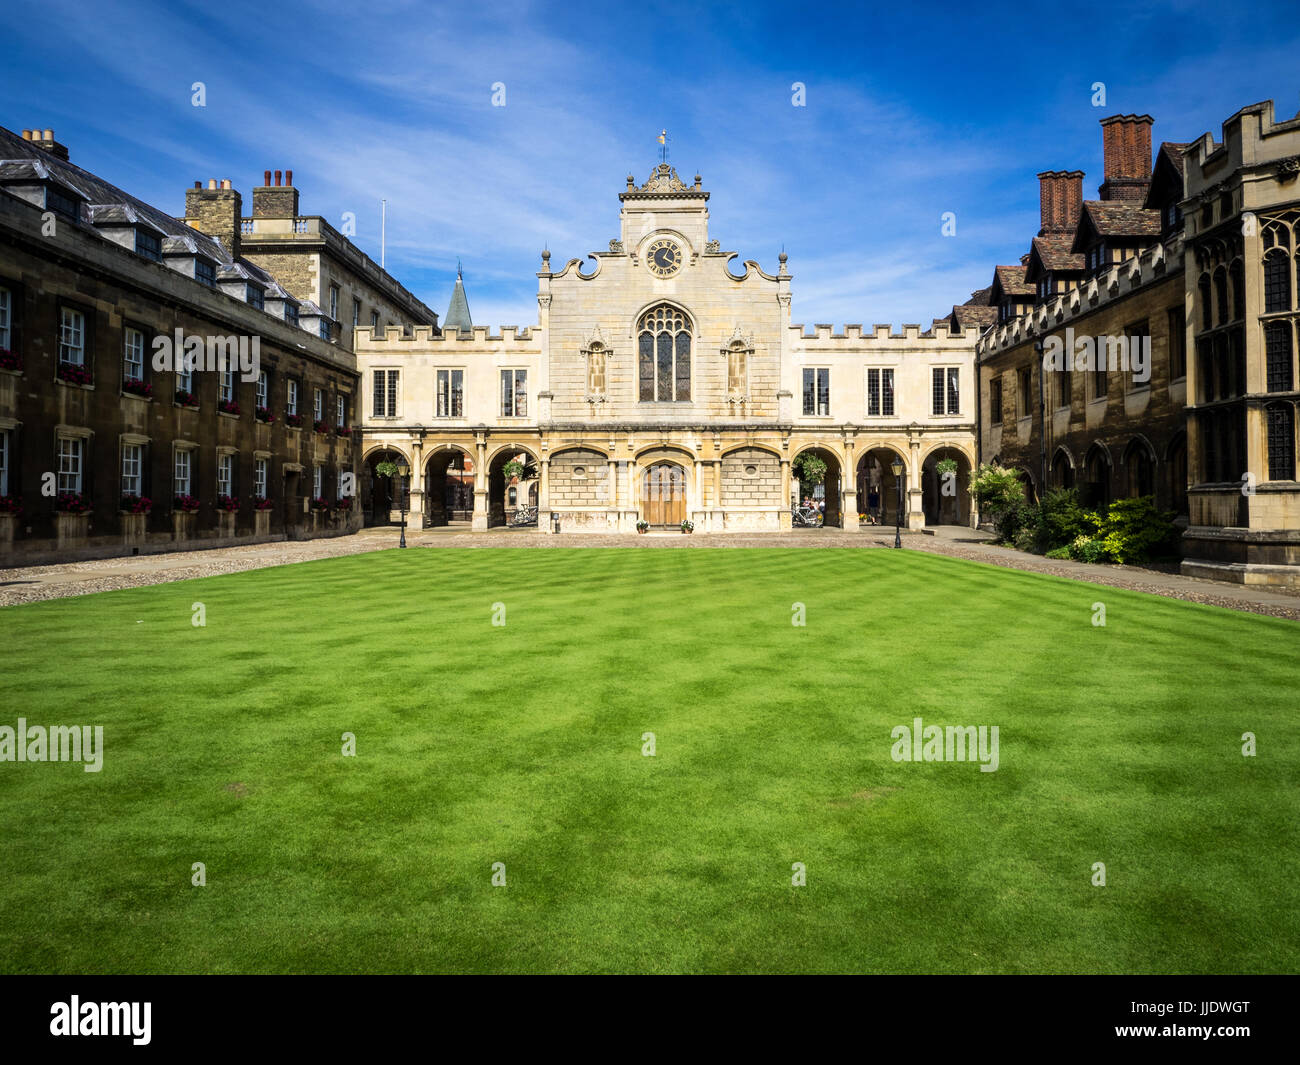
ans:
x=522 y=744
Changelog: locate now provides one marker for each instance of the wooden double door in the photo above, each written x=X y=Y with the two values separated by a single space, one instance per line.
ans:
x=663 y=494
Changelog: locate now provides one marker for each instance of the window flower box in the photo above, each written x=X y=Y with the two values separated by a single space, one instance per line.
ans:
x=262 y=503
x=185 y=504
x=344 y=504
x=11 y=360
x=319 y=426
x=228 y=504
x=228 y=406
x=186 y=399
x=11 y=505
x=293 y=421
x=135 y=387
x=264 y=414
x=342 y=430
x=134 y=504
x=73 y=374
x=71 y=503
x=320 y=503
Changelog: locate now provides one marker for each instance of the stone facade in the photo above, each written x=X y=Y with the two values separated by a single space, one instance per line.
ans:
x=665 y=373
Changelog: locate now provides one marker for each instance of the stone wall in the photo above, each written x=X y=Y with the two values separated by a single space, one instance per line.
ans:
x=579 y=478
x=751 y=477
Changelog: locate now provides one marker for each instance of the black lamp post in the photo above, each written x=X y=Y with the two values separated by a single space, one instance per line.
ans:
x=403 y=469
x=897 y=467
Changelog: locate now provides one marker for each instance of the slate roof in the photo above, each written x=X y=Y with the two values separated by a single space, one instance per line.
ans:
x=458 y=313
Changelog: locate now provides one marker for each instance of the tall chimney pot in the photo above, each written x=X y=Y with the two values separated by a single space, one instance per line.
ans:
x=277 y=177
x=288 y=177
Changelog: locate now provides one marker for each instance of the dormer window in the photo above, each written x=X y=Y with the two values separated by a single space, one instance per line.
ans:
x=324 y=329
x=148 y=244
x=291 y=313
x=61 y=204
x=1173 y=216
x=205 y=273
x=254 y=297
x=1045 y=287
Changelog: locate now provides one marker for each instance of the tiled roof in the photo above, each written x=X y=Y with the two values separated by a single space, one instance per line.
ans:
x=1011 y=280
x=1173 y=151
x=1116 y=218
x=1054 y=253
x=966 y=315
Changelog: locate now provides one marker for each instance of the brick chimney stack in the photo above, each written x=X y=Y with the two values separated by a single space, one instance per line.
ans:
x=1126 y=140
x=217 y=211
x=1060 y=199
x=276 y=201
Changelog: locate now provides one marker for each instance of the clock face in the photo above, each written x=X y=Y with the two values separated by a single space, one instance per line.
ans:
x=664 y=258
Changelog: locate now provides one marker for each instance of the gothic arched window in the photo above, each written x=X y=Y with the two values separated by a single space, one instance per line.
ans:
x=595 y=369
x=664 y=355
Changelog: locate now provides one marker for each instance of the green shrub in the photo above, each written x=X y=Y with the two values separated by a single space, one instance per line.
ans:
x=1135 y=529
x=1062 y=519
x=1026 y=538
x=1059 y=552
x=1087 y=549
x=1001 y=493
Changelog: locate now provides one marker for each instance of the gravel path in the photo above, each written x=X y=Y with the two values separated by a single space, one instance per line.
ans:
x=34 y=583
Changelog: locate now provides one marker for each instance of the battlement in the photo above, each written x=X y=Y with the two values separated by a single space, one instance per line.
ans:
x=1251 y=138
x=422 y=336
x=1116 y=282
x=883 y=333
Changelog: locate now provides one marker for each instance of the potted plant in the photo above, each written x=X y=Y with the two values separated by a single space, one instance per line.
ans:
x=11 y=360
x=264 y=414
x=643 y=526
x=228 y=406
x=688 y=526
x=186 y=398
x=74 y=374
x=137 y=387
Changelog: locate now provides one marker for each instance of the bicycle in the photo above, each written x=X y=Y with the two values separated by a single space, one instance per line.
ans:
x=806 y=517
x=524 y=516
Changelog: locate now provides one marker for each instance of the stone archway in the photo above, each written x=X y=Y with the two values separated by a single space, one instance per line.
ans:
x=380 y=495
x=827 y=494
x=501 y=507
x=448 y=487
x=945 y=495
x=875 y=472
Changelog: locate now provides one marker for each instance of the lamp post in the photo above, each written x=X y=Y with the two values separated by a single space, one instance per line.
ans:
x=897 y=467
x=403 y=469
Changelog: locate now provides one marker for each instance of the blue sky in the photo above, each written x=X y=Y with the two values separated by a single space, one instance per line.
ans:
x=910 y=112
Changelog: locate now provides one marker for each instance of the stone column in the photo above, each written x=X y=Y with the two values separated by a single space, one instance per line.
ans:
x=915 y=510
x=849 y=491
x=785 y=522
x=544 y=495
x=415 y=513
x=718 y=518
x=479 y=521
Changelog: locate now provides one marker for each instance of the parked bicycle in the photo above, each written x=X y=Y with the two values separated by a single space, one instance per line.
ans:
x=806 y=517
x=524 y=516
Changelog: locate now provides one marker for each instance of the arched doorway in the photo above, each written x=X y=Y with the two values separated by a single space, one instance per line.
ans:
x=945 y=493
x=380 y=495
x=1062 y=470
x=825 y=495
x=505 y=494
x=1095 y=491
x=1139 y=466
x=448 y=487
x=875 y=479
x=663 y=494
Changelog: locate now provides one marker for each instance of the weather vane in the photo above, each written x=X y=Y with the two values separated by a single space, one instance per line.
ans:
x=663 y=146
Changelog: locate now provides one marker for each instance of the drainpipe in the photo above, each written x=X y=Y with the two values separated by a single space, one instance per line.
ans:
x=1042 y=420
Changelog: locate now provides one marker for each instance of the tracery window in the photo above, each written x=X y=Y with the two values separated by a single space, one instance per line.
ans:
x=664 y=355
